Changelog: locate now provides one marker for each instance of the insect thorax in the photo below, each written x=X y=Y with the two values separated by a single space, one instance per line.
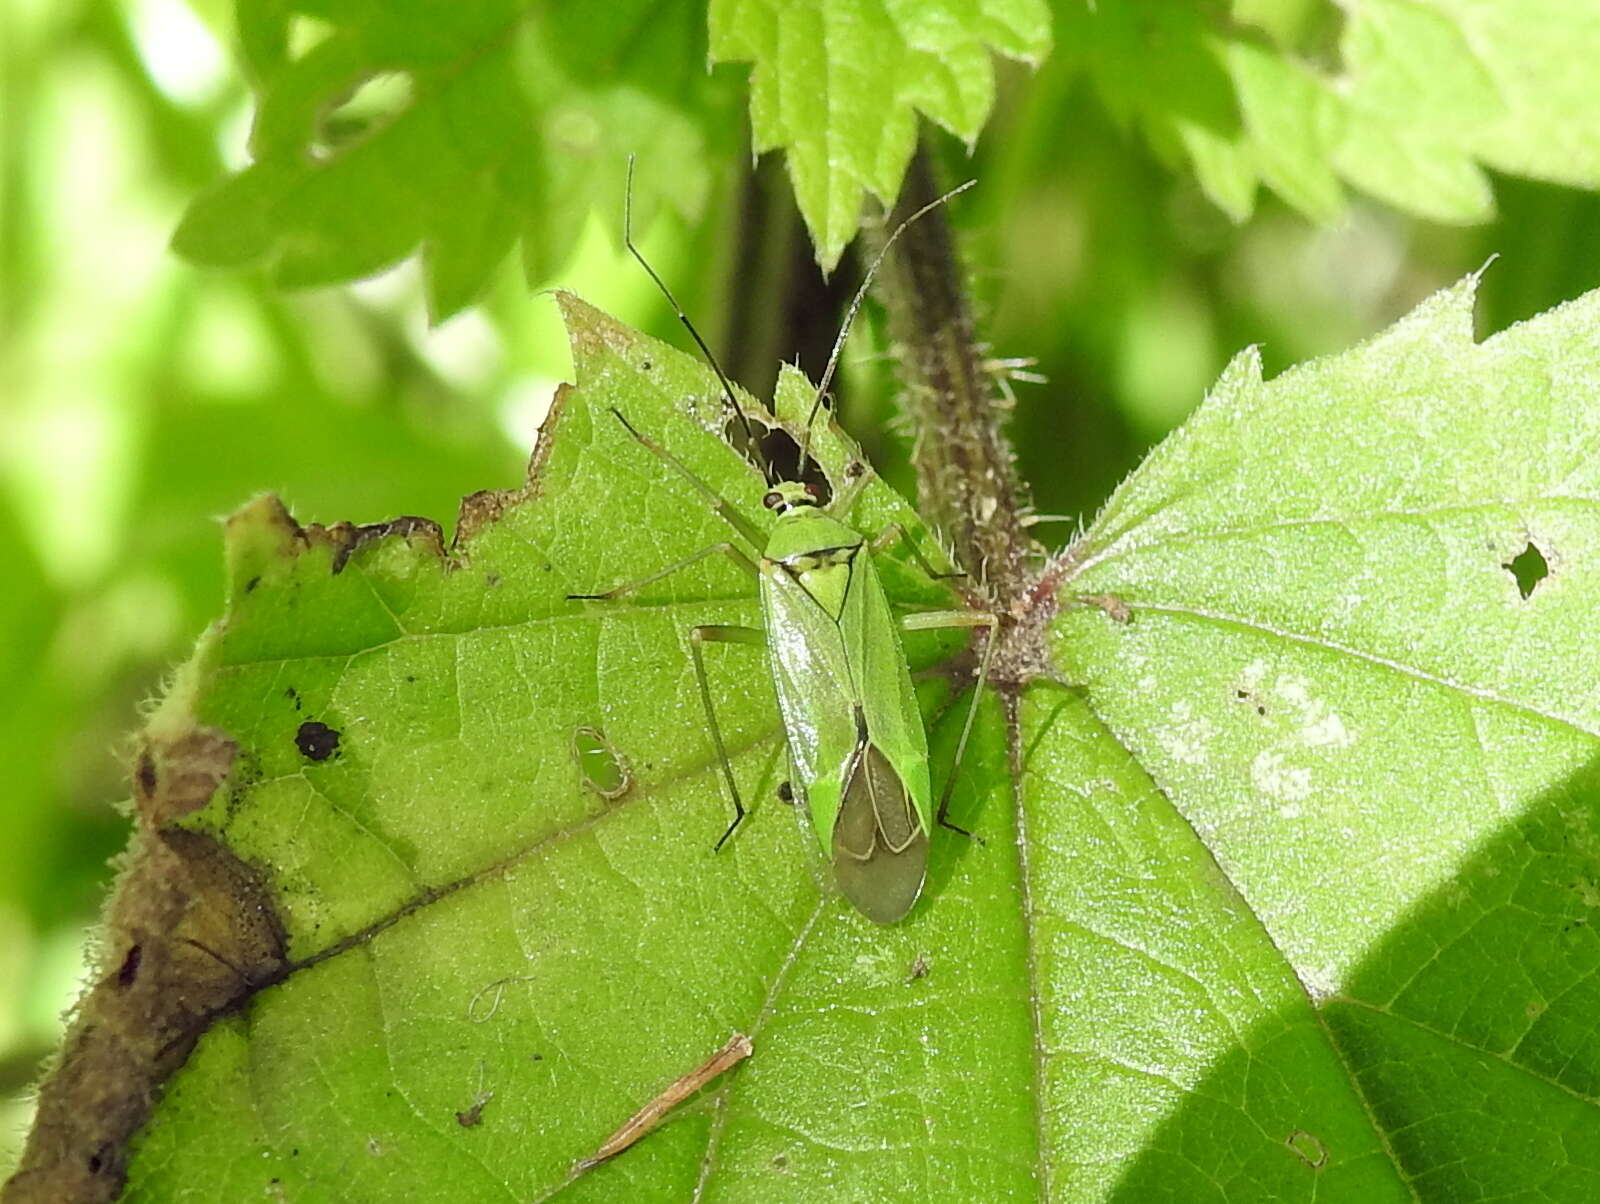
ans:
x=817 y=551
x=824 y=575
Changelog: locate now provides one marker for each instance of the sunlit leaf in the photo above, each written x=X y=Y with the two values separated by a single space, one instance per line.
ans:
x=1406 y=101
x=839 y=86
x=1384 y=729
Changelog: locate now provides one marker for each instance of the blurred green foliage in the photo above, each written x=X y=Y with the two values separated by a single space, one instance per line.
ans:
x=142 y=398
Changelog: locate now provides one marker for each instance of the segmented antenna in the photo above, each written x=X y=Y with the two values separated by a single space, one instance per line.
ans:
x=855 y=304
x=727 y=387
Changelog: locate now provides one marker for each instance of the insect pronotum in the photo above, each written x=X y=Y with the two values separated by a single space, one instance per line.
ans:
x=857 y=749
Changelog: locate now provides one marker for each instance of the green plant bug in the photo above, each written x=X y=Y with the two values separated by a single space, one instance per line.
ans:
x=858 y=751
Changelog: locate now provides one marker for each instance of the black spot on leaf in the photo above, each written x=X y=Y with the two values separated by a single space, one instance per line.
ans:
x=316 y=741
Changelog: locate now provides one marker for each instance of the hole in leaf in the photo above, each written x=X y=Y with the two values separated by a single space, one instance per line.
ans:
x=1308 y=1147
x=1529 y=567
x=316 y=741
x=777 y=449
x=601 y=766
x=370 y=105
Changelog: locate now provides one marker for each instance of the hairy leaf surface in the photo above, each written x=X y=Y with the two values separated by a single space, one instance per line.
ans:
x=1291 y=896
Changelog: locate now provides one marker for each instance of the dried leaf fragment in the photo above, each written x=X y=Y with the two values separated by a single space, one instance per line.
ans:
x=652 y=1114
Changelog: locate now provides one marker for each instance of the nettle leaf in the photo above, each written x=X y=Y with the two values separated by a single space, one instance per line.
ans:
x=1358 y=664
x=1292 y=896
x=1406 y=101
x=472 y=912
x=839 y=84
x=458 y=129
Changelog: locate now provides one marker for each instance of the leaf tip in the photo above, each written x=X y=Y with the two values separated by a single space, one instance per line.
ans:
x=1448 y=315
x=257 y=534
x=588 y=328
x=1242 y=374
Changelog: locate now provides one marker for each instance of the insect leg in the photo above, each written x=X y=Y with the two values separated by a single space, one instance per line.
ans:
x=748 y=530
x=933 y=620
x=730 y=550
x=893 y=532
x=718 y=633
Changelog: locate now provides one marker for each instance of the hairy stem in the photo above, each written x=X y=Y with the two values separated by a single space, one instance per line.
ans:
x=968 y=486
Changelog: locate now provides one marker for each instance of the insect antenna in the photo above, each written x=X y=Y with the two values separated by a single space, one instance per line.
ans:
x=855 y=305
x=727 y=387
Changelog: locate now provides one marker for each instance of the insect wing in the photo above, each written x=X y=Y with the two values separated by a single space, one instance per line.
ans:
x=816 y=694
x=878 y=665
x=855 y=735
x=880 y=844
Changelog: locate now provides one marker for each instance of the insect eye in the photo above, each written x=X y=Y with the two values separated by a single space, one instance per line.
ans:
x=814 y=493
x=773 y=500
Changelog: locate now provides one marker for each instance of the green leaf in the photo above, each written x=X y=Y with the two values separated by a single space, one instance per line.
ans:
x=466 y=916
x=458 y=129
x=1383 y=727
x=839 y=84
x=1407 y=101
x=1289 y=897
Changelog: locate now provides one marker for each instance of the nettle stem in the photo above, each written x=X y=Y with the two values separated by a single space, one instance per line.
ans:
x=967 y=482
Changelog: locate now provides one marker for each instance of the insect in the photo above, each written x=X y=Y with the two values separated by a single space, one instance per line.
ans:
x=858 y=752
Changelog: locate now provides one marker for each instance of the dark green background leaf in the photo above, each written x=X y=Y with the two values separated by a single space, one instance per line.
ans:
x=458 y=129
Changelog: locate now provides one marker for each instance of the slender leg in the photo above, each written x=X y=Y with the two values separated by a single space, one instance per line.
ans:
x=893 y=532
x=933 y=620
x=719 y=633
x=746 y=529
x=730 y=550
